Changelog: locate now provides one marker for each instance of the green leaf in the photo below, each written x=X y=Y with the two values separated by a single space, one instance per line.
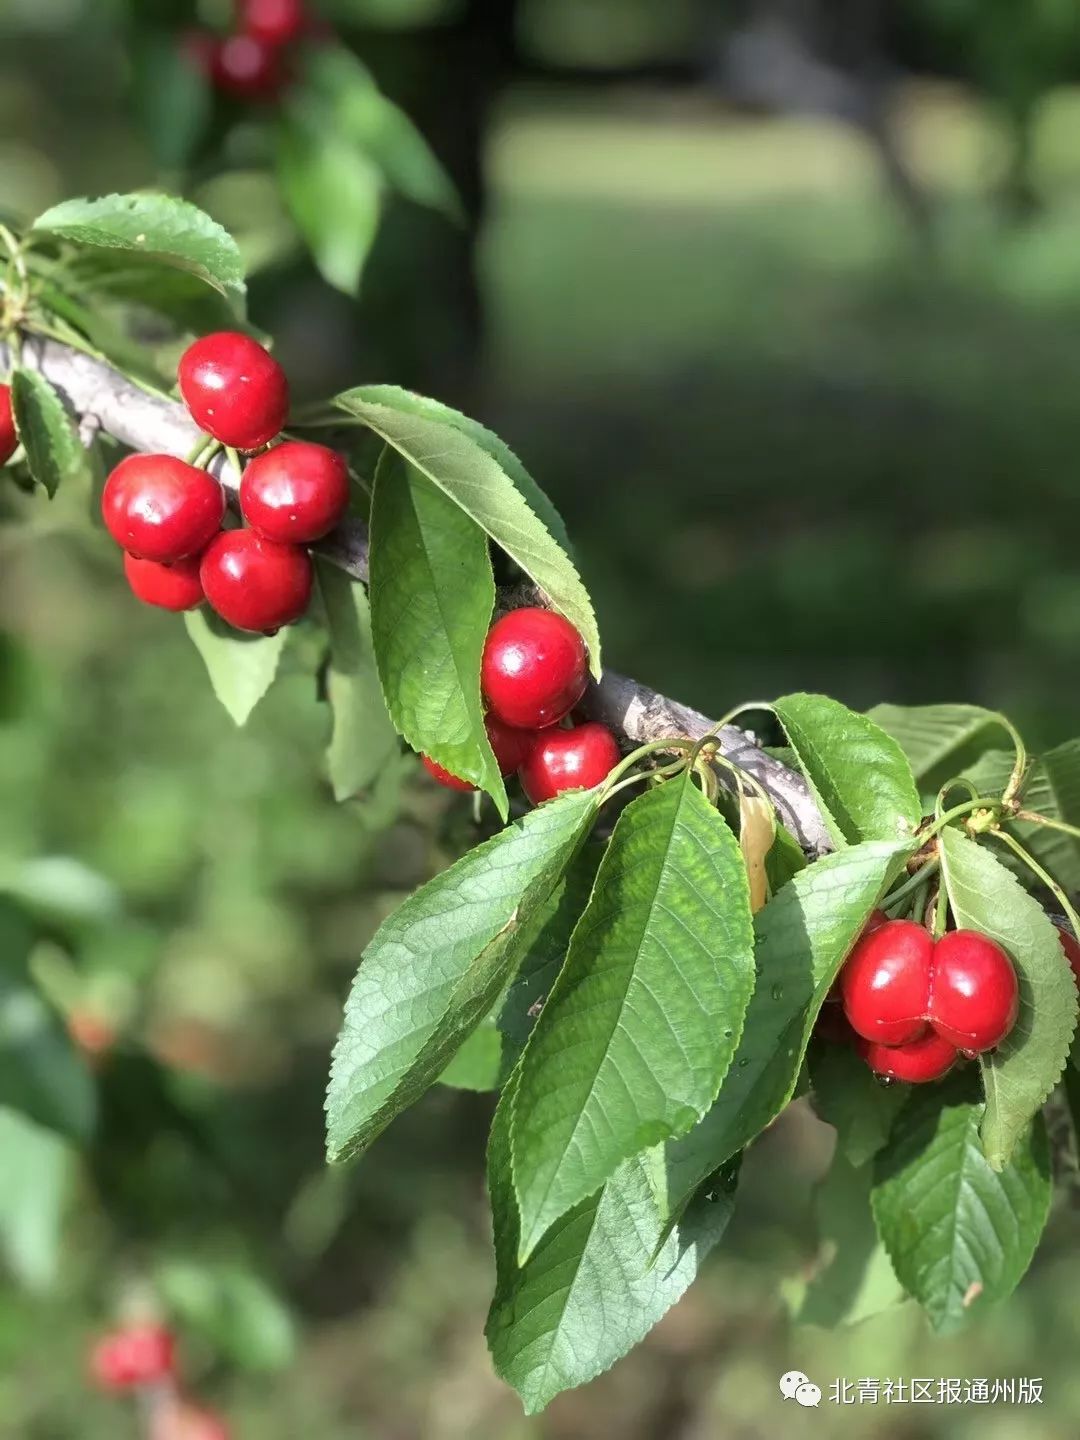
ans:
x=804 y=935
x=858 y=1280
x=537 y=500
x=480 y=1063
x=334 y=195
x=36 y=1165
x=1025 y=1067
x=598 y=1281
x=1051 y=788
x=358 y=110
x=436 y=967
x=640 y=1028
x=850 y=1098
x=432 y=594
x=858 y=774
x=172 y=97
x=960 y=1234
x=42 y=1075
x=54 y=451
x=938 y=740
x=241 y=667
x=363 y=739
x=476 y=479
x=159 y=228
x=232 y=1309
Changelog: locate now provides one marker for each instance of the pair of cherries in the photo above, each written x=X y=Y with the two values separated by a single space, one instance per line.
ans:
x=534 y=671
x=917 y=1005
x=253 y=62
x=167 y=514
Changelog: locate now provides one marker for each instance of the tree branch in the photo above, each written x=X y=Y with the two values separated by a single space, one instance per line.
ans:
x=101 y=399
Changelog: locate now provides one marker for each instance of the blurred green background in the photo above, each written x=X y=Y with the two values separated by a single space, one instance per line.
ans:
x=807 y=432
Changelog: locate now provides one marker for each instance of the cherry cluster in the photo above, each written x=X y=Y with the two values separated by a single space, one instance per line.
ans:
x=917 y=1005
x=534 y=671
x=140 y=1359
x=167 y=514
x=252 y=63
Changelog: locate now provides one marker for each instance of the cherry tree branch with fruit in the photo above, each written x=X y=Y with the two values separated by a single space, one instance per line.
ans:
x=683 y=929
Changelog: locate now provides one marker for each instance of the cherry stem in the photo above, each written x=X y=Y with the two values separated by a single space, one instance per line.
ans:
x=921 y=877
x=1046 y=878
x=1029 y=816
x=202 y=452
x=978 y=802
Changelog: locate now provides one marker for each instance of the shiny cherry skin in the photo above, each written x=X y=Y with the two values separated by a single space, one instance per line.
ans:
x=9 y=440
x=235 y=389
x=885 y=983
x=535 y=668
x=250 y=69
x=255 y=584
x=510 y=748
x=975 y=994
x=160 y=508
x=275 y=22
x=876 y=919
x=170 y=587
x=575 y=759
x=295 y=493
x=136 y=1355
x=1072 y=950
x=927 y=1058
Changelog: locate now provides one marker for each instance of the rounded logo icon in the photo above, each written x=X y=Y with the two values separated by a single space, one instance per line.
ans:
x=808 y=1394
x=790 y=1382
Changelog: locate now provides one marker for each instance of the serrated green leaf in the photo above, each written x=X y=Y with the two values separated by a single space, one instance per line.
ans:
x=436 y=967
x=475 y=478
x=960 y=1234
x=858 y=1280
x=161 y=229
x=1025 y=1067
x=333 y=193
x=640 y=1028
x=54 y=451
x=849 y=1097
x=859 y=775
x=363 y=739
x=432 y=595
x=803 y=936
x=938 y=740
x=241 y=667
x=481 y=1063
x=36 y=1165
x=42 y=1075
x=1051 y=788
x=598 y=1281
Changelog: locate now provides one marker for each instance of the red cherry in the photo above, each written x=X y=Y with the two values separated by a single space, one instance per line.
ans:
x=574 y=759
x=255 y=584
x=160 y=508
x=9 y=439
x=1072 y=950
x=885 y=983
x=295 y=493
x=875 y=922
x=927 y=1058
x=510 y=748
x=534 y=669
x=248 y=68
x=235 y=389
x=171 y=587
x=276 y=22
x=137 y=1355
x=975 y=995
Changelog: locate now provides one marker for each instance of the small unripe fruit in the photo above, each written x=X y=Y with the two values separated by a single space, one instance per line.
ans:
x=160 y=508
x=535 y=668
x=276 y=22
x=255 y=584
x=927 y=1058
x=509 y=746
x=170 y=587
x=248 y=68
x=134 y=1356
x=574 y=759
x=9 y=439
x=975 y=994
x=235 y=389
x=295 y=493
x=885 y=983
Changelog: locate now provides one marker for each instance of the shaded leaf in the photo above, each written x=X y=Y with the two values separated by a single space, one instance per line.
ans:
x=938 y=740
x=54 y=452
x=850 y=1097
x=1051 y=788
x=857 y=1279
